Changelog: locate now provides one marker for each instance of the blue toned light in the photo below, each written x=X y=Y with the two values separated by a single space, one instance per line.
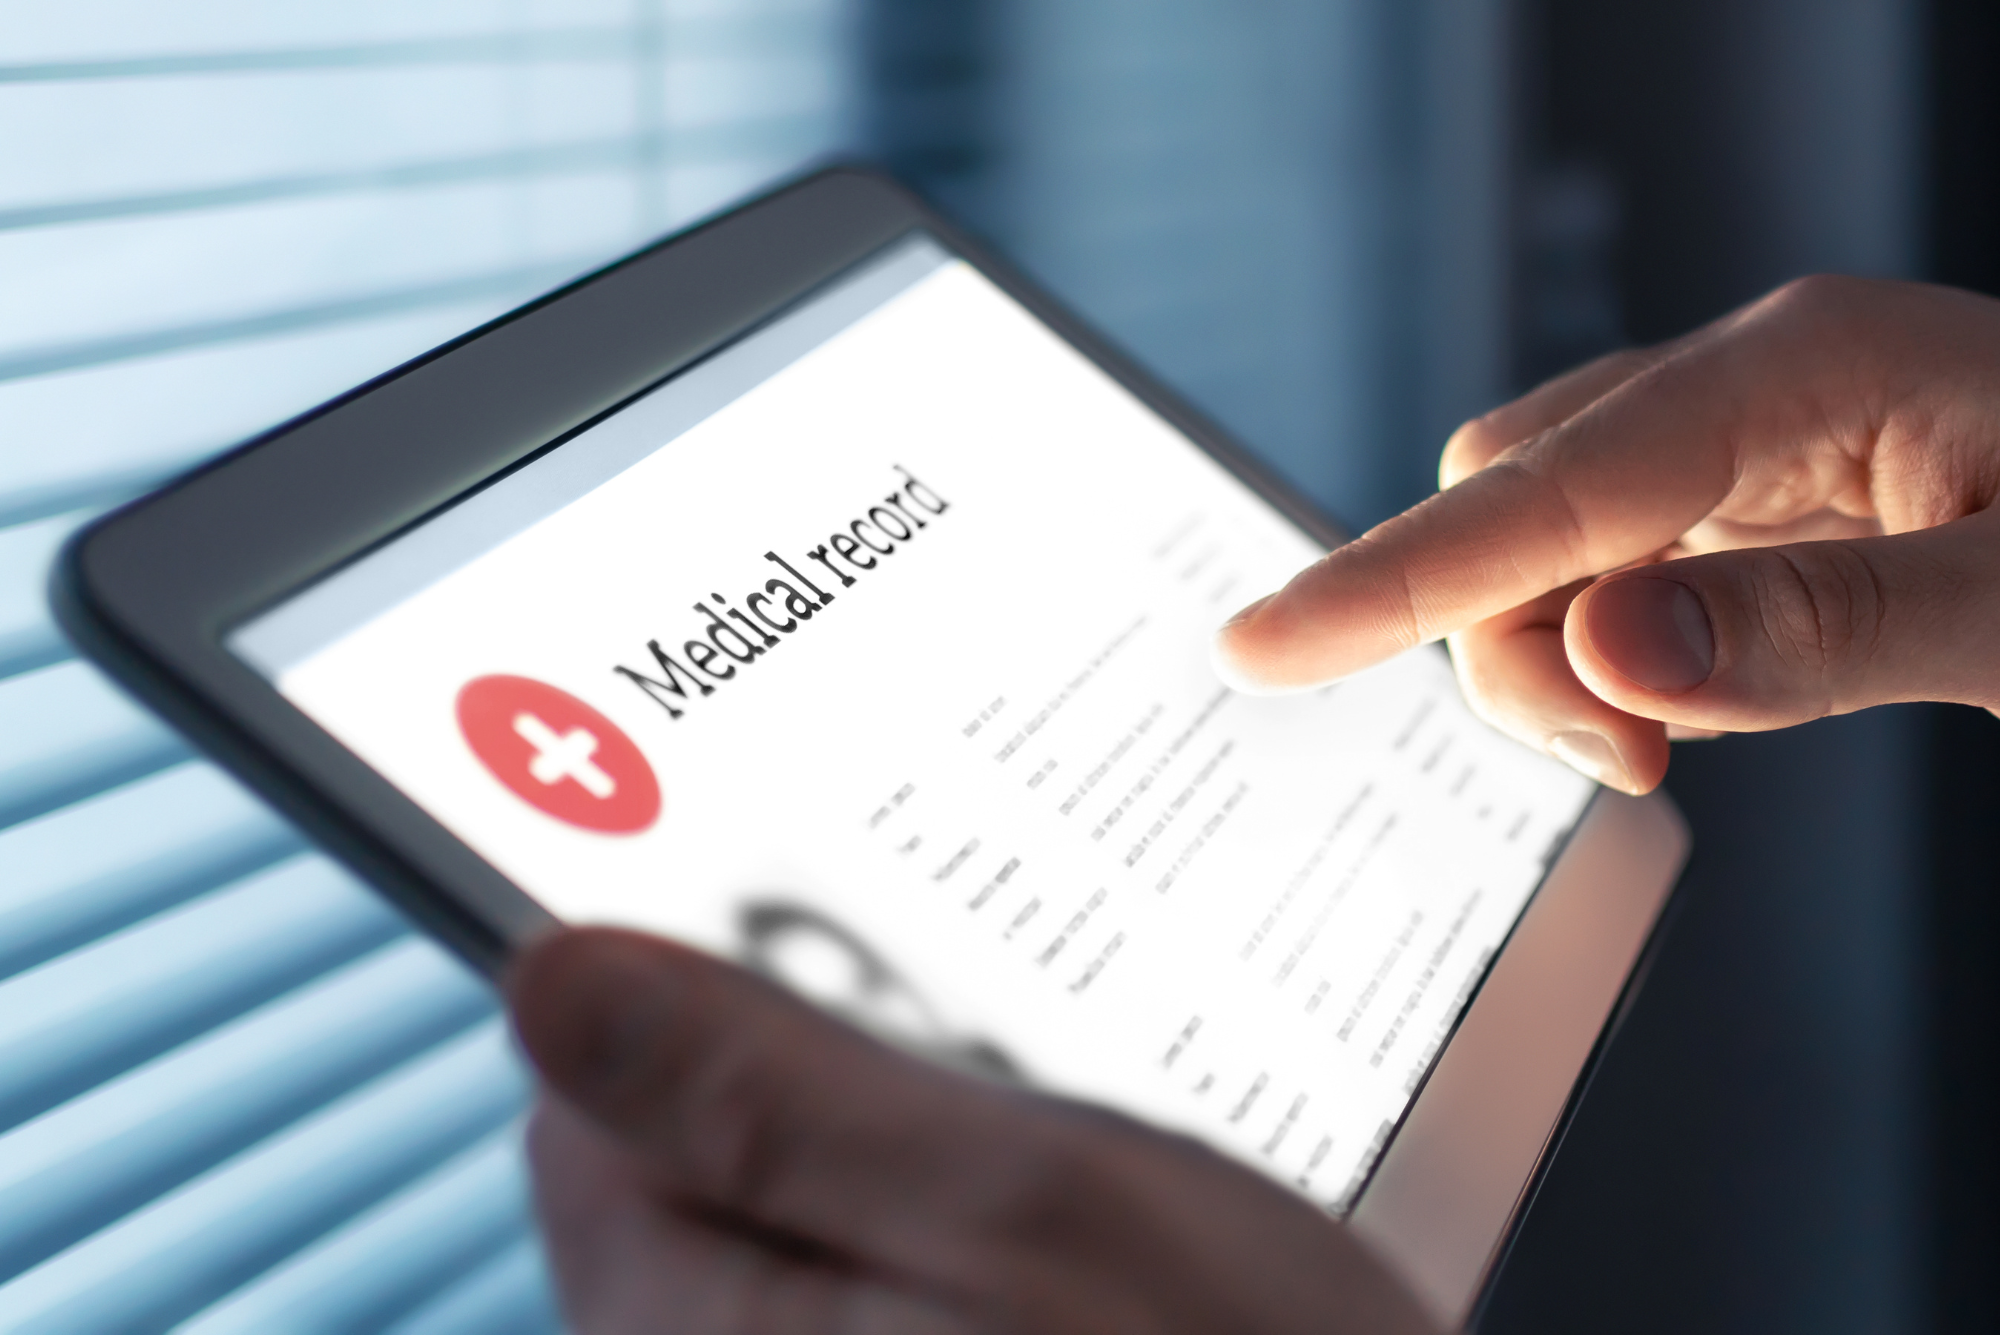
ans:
x=235 y=1090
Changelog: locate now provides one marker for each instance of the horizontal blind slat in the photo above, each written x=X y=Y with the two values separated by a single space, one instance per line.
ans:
x=75 y=1021
x=178 y=1255
x=394 y=1257
x=516 y=283
x=82 y=1165
x=104 y=863
x=331 y=122
x=581 y=45
x=28 y=634
x=65 y=733
x=95 y=31
x=576 y=157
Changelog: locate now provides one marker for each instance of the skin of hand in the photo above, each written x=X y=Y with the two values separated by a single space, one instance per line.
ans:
x=712 y=1155
x=1784 y=515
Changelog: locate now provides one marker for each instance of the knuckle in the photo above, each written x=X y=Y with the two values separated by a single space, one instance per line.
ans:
x=1479 y=436
x=1509 y=719
x=1520 y=684
x=1477 y=687
x=1046 y=1167
x=1479 y=681
x=1471 y=448
x=731 y=1151
x=1625 y=363
x=1555 y=512
x=1058 y=1163
x=1815 y=297
x=736 y=1137
x=1808 y=291
x=1820 y=606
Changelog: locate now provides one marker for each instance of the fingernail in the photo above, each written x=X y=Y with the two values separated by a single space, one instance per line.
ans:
x=1227 y=663
x=1652 y=631
x=1591 y=755
x=1249 y=610
x=1229 y=670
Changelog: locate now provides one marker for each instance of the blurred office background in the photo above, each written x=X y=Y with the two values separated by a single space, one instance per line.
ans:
x=238 y=1094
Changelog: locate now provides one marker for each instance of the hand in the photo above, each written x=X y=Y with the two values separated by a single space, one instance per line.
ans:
x=712 y=1155
x=1787 y=514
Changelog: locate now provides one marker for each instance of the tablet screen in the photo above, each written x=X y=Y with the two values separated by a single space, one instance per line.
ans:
x=873 y=652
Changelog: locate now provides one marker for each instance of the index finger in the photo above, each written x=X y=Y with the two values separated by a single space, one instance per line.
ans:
x=1610 y=486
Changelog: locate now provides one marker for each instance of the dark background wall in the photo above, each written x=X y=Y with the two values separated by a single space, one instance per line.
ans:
x=1962 y=818
x=1794 y=1130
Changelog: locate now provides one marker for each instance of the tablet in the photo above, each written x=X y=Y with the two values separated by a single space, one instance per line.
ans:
x=811 y=589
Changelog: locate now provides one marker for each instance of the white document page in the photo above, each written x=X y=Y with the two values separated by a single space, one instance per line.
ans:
x=891 y=679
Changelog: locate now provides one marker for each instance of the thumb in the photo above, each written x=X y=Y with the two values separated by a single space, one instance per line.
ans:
x=741 y=1097
x=1767 y=637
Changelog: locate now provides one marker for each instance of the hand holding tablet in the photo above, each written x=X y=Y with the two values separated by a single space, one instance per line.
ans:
x=714 y=1150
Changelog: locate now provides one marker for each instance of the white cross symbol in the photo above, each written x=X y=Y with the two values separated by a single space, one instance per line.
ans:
x=560 y=756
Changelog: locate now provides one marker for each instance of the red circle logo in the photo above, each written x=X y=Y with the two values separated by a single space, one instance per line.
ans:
x=558 y=754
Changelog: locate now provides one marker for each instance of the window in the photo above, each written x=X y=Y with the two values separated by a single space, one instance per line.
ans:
x=235 y=1090
x=1293 y=212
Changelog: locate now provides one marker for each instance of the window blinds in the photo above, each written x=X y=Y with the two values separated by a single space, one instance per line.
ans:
x=1292 y=211
x=237 y=1093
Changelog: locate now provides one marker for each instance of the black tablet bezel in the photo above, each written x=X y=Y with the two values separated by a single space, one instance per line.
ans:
x=150 y=590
